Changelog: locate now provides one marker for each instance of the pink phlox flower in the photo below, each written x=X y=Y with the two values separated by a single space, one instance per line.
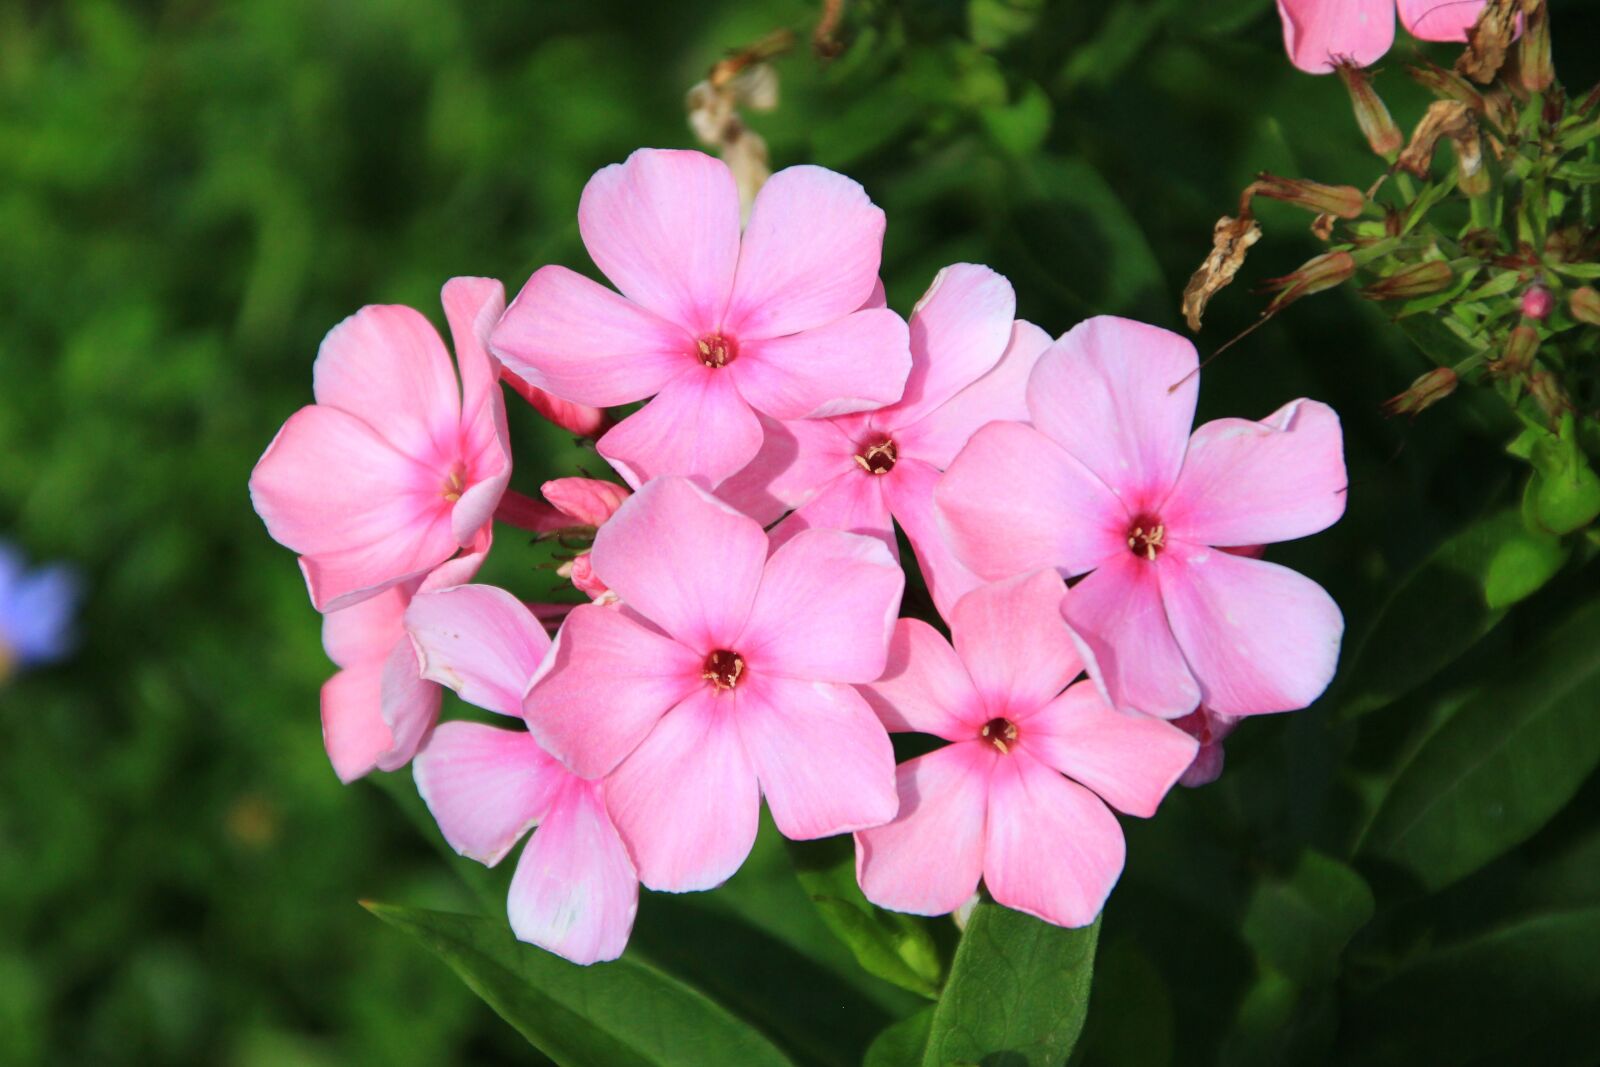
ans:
x=714 y=325
x=993 y=803
x=970 y=361
x=1317 y=33
x=724 y=675
x=397 y=466
x=1107 y=482
x=574 y=891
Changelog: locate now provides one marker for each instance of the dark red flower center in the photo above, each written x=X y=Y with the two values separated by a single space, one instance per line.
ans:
x=715 y=350
x=1147 y=537
x=723 y=668
x=878 y=458
x=1001 y=733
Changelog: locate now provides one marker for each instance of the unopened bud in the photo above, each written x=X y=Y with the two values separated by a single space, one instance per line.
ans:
x=1537 y=303
x=1345 y=201
x=1444 y=118
x=1471 y=177
x=1419 y=279
x=1521 y=346
x=1425 y=392
x=1535 y=69
x=1584 y=304
x=1372 y=115
x=1549 y=395
x=1447 y=85
x=1315 y=275
x=578 y=419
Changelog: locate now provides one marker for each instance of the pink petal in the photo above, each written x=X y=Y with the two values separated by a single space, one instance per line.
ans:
x=959 y=330
x=353 y=730
x=796 y=461
x=606 y=682
x=1000 y=395
x=575 y=893
x=929 y=859
x=473 y=306
x=1130 y=760
x=855 y=363
x=361 y=515
x=825 y=609
x=485 y=786
x=1317 y=32
x=462 y=568
x=365 y=632
x=698 y=426
x=578 y=419
x=409 y=705
x=1016 y=648
x=1206 y=768
x=686 y=802
x=580 y=341
x=810 y=254
x=823 y=759
x=684 y=560
x=480 y=641
x=909 y=489
x=1259 y=637
x=1439 y=20
x=1245 y=483
x=588 y=501
x=852 y=502
x=1121 y=627
x=664 y=227
x=1119 y=396
x=386 y=366
x=925 y=687
x=1051 y=848
x=1013 y=501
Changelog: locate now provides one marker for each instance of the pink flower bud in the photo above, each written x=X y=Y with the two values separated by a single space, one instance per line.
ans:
x=579 y=419
x=1537 y=303
x=1425 y=392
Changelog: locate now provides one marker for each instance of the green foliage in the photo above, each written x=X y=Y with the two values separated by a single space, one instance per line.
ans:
x=1299 y=924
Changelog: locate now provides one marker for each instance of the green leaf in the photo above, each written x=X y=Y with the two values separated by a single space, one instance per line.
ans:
x=1446 y=605
x=902 y=1044
x=995 y=23
x=1300 y=923
x=1018 y=992
x=1437 y=340
x=1021 y=126
x=897 y=948
x=1502 y=765
x=620 y=1014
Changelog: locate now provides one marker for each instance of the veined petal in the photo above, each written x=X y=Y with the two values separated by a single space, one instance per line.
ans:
x=480 y=641
x=797 y=460
x=855 y=363
x=1001 y=395
x=1016 y=647
x=485 y=786
x=698 y=426
x=959 y=330
x=1317 y=32
x=925 y=687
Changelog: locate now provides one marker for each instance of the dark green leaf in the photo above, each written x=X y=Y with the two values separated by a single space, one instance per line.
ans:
x=1438 y=342
x=1301 y=922
x=1018 y=992
x=902 y=1044
x=1502 y=765
x=619 y=1014
x=994 y=23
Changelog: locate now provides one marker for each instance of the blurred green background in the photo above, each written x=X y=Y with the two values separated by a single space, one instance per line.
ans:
x=192 y=192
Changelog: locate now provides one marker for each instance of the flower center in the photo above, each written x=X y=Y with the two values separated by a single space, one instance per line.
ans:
x=879 y=458
x=723 y=668
x=1147 y=537
x=1001 y=733
x=715 y=350
x=455 y=484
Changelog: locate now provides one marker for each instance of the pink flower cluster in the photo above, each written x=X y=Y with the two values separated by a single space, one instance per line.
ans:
x=1097 y=564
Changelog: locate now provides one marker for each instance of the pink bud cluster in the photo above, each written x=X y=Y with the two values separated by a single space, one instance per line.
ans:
x=1095 y=562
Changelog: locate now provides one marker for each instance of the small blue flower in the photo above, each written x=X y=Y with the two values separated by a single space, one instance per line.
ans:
x=36 y=611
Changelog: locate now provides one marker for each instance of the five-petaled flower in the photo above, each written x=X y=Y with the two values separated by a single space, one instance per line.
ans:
x=1109 y=483
x=723 y=676
x=993 y=802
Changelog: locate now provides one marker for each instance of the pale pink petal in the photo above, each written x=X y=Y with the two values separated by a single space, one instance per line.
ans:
x=684 y=560
x=853 y=502
x=387 y=366
x=1130 y=760
x=1051 y=848
x=855 y=363
x=823 y=759
x=810 y=254
x=1119 y=396
x=1245 y=483
x=582 y=342
x=409 y=705
x=686 y=802
x=606 y=682
x=825 y=609
x=485 y=786
x=929 y=859
x=1016 y=648
x=1259 y=637
x=664 y=227
x=999 y=396
x=353 y=730
x=1121 y=627
x=588 y=501
x=959 y=329
x=698 y=426
x=1439 y=20
x=575 y=893
x=908 y=489
x=462 y=568
x=925 y=687
x=365 y=632
x=473 y=306
x=1013 y=501
x=480 y=641
x=1316 y=33
x=796 y=461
